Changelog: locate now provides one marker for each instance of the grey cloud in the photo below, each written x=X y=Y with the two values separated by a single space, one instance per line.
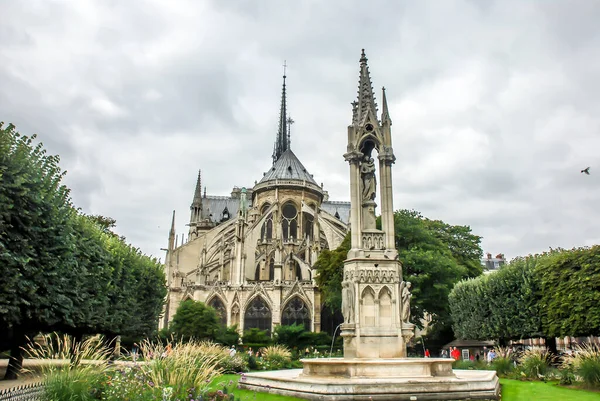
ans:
x=494 y=104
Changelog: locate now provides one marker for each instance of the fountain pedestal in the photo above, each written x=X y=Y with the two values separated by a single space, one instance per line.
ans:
x=375 y=299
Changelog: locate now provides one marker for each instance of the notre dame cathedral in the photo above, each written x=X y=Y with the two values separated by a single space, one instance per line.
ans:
x=250 y=255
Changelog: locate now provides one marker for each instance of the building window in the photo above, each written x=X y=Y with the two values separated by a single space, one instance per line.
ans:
x=265 y=269
x=218 y=306
x=264 y=208
x=289 y=222
x=308 y=221
x=266 y=232
x=258 y=315
x=296 y=312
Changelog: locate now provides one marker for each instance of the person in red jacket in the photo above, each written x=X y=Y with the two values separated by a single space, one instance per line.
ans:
x=427 y=354
x=455 y=354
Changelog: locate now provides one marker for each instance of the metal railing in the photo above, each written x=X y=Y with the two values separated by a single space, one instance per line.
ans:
x=24 y=392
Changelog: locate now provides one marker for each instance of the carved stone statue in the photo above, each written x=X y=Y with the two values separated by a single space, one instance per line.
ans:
x=367 y=173
x=406 y=296
x=348 y=302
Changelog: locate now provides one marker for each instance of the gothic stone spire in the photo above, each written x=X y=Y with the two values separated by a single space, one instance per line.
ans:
x=366 y=97
x=172 y=233
x=282 y=142
x=385 y=114
x=196 y=207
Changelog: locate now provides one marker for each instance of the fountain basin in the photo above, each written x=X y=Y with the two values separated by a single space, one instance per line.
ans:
x=411 y=379
x=367 y=367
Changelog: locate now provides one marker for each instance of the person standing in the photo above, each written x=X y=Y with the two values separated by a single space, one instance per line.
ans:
x=455 y=354
x=134 y=352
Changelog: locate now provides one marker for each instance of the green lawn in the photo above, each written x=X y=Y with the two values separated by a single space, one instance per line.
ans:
x=246 y=395
x=515 y=390
x=512 y=390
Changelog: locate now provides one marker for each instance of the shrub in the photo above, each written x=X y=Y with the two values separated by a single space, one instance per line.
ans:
x=128 y=383
x=309 y=338
x=228 y=336
x=535 y=363
x=74 y=380
x=585 y=363
x=276 y=357
x=195 y=320
x=289 y=335
x=502 y=365
x=463 y=364
x=258 y=338
x=183 y=366
x=252 y=362
x=566 y=376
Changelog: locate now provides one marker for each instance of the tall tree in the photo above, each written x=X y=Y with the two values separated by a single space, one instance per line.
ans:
x=570 y=291
x=434 y=255
x=196 y=320
x=330 y=271
x=503 y=305
x=60 y=270
x=35 y=240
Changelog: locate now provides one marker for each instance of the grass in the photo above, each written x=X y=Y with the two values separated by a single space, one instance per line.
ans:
x=512 y=390
x=246 y=395
x=515 y=390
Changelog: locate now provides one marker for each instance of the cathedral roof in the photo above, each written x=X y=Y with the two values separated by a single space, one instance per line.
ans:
x=341 y=210
x=288 y=167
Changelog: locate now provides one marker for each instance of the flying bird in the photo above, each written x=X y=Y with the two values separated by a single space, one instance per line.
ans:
x=586 y=170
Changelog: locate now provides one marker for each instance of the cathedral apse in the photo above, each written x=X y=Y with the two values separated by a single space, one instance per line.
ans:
x=250 y=254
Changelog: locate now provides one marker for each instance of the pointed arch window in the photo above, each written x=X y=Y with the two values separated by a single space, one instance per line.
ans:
x=308 y=221
x=296 y=312
x=289 y=222
x=368 y=301
x=265 y=269
x=258 y=315
x=266 y=232
x=219 y=307
x=385 y=308
x=226 y=266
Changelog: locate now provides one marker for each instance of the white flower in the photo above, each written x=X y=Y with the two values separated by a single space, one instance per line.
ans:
x=167 y=393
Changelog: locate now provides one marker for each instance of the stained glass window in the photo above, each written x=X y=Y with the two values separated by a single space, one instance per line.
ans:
x=218 y=306
x=258 y=315
x=296 y=312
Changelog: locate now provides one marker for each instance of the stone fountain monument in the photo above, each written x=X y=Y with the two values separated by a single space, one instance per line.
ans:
x=375 y=299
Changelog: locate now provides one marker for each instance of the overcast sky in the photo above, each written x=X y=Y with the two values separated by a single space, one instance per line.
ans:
x=495 y=104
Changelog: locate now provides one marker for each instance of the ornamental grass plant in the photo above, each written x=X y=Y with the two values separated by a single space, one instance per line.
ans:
x=276 y=357
x=535 y=363
x=585 y=365
x=503 y=364
x=187 y=368
x=75 y=371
